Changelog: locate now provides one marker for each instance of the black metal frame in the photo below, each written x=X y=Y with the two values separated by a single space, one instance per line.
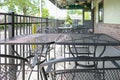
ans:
x=20 y=25
x=103 y=73
x=8 y=68
x=25 y=24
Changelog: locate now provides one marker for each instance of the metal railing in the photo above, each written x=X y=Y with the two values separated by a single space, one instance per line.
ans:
x=12 y=25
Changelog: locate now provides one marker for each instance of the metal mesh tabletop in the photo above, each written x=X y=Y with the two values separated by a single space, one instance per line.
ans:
x=87 y=39
x=32 y=39
x=79 y=39
x=32 y=48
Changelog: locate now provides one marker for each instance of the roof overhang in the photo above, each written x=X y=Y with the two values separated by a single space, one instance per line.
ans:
x=72 y=4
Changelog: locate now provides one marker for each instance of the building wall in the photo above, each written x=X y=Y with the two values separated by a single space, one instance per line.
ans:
x=110 y=29
x=111 y=22
x=112 y=11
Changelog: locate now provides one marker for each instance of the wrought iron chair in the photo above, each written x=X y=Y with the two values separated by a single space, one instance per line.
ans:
x=9 y=66
x=105 y=70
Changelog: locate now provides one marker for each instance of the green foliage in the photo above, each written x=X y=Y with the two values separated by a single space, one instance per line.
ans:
x=68 y=19
x=10 y=4
x=87 y=16
x=51 y=17
x=2 y=27
x=45 y=13
x=79 y=12
x=25 y=7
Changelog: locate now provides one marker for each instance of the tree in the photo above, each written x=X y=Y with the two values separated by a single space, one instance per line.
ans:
x=78 y=12
x=68 y=20
x=45 y=13
x=25 y=7
x=9 y=4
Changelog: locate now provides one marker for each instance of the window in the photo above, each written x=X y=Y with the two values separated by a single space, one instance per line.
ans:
x=87 y=15
x=100 y=12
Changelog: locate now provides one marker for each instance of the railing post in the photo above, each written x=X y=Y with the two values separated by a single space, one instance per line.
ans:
x=12 y=68
x=11 y=27
x=46 y=22
x=41 y=26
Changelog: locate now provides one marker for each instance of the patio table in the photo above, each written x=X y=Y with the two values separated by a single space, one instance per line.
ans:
x=62 y=39
x=39 y=39
x=102 y=72
x=40 y=45
x=96 y=39
x=65 y=39
x=45 y=40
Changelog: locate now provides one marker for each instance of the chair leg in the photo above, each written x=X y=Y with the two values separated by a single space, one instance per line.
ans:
x=43 y=74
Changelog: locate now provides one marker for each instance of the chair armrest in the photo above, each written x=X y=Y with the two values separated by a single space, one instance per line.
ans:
x=81 y=58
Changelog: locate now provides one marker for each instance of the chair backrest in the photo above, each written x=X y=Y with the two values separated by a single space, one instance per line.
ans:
x=9 y=66
x=103 y=71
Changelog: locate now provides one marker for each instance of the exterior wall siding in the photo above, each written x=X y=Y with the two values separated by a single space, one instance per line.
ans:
x=112 y=11
x=111 y=22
